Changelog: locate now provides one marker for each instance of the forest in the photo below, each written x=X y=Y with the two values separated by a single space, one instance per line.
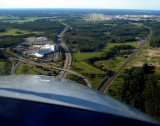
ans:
x=139 y=89
x=90 y=36
x=155 y=39
x=44 y=27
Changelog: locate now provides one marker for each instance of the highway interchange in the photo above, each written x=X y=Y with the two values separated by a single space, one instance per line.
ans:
x=63 y=71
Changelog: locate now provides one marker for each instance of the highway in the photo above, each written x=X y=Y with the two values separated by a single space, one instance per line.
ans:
x=61 y=69
x=63 y=73
x=68 y=60
x=12 y=70
x=14 y=67
x=108 y=81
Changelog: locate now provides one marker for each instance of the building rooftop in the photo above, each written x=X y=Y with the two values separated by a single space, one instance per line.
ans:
x=45 y=51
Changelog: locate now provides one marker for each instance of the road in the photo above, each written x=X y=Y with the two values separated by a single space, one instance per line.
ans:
x=12 y=70
x=14 y=67
x=61 y=69
x=108 y=81
x=68 y=60
x=64 y=71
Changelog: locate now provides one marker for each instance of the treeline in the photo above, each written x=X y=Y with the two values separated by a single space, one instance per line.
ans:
x=155 y=39
x=8 y=41
x=40 y=25
x=120 y=50
x=2 y=54
x=47 y=28
x=140 y=90
x=117 y=50
x=22 y=13
x=2 y=30
x=90 y=36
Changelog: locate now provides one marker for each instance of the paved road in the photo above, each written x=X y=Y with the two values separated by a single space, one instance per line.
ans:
x=14 y=67
x=12 y=70
x=61 y=69
x=108 y=81
x=68 y=61
x=64 y=71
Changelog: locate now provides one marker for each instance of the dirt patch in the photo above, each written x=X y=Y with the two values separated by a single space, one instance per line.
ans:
x=153 y=52
x=138 y=64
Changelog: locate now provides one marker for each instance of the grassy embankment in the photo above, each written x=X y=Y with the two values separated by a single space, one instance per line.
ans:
x=32 y=69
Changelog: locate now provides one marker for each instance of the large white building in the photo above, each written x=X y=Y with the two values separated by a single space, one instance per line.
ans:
x=42 y=53
x=53 y=47
x=45 y=49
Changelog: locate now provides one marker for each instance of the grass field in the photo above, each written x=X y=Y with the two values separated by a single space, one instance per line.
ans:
x=14 y=32
x=26 y=69
x=32 y=69
x=27 y=19
x=13 y=19
x=84 y=55
x=83 y=67
x=115 y=88
x=94 y=75
x=5 y=67
x=110 y=45
x=111 y=64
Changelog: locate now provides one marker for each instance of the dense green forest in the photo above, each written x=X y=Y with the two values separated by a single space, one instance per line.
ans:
x=5 y=64
x=47 y=28
x=155 y=40
x=90 y=36
x=139 y=89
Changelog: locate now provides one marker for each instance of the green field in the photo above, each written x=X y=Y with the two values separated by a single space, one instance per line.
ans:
x=26 y=69
x=111 y=64
x=85 y=55
x=5 y=67
x=83 y=67
x=13 y=19
x=110 y=45
x=94 y=75
x=14 y=32
x=32 y=69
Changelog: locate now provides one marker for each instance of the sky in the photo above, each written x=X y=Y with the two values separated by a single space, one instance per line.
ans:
x=103 y=4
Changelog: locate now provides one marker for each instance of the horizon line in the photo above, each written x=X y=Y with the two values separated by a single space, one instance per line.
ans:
x=88 y=9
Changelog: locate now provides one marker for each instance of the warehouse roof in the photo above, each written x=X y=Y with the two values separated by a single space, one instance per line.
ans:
x=45 y=51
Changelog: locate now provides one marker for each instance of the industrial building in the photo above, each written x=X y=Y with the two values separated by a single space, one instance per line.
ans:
x=42 y=53
x=40 y=47
x=45 y=49
x=47 y=46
